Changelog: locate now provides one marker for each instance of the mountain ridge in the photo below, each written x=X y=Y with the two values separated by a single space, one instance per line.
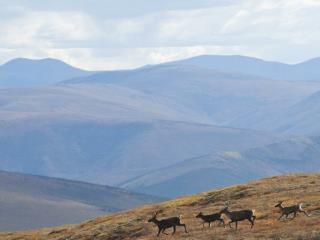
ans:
x=25 y=72
x=215 y=62
x=55 y=201
x=304 y=71
x=230 y=167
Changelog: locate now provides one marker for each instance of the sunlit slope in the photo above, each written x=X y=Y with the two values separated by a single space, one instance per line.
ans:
x=261 y=196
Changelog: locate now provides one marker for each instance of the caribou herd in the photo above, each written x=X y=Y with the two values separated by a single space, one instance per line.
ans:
x=233 y=216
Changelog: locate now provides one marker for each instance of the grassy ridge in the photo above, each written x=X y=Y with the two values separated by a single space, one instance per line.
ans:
x=260 y=195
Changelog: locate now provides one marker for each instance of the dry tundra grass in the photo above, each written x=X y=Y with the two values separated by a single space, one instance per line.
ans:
x=260 y=195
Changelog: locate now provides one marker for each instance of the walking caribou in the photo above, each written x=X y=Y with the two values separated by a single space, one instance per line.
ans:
x=167 y=223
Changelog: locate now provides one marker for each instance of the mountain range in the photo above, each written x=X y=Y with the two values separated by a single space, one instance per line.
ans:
x=164 y=125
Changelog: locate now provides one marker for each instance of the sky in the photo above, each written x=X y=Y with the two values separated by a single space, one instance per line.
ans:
x=108 y=34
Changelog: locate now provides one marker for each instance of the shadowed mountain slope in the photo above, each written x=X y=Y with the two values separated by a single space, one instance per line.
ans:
x=112 y=127
x=230 y=167
x=113 y=152
x=299 y=118
x=105 y=133
x=208 y=95
x=28 y=201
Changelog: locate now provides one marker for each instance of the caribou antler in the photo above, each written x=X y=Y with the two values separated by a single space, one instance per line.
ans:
x=156 y=213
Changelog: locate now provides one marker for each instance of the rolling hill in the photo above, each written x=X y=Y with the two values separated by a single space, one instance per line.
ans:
x=230 y=167
x=105 y=134
x=207 y=95
x=113 y=152
x=234 y=91
x=304 y=71
x=260 y=195
x=23 y=72
x=28 y=201
x=299 y=118
x=118 y=126
x=237 y=65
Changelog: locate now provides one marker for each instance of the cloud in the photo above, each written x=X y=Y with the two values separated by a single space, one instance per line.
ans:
x=105 y=35
x=47 y=29
x=116 y=9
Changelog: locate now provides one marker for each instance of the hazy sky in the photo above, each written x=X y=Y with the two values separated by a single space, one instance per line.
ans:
x=109 y=34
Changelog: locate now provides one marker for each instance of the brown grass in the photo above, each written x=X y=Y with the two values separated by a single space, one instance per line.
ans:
x=260 y=195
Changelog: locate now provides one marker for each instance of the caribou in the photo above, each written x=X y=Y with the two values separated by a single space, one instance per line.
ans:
x=167 y=223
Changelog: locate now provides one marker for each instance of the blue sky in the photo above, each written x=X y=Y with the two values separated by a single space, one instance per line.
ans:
x=130 y=33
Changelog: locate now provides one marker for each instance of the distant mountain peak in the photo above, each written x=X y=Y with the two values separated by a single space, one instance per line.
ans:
x=25 y=72
x=28 y=61
x=234 y=57
x=312 y=61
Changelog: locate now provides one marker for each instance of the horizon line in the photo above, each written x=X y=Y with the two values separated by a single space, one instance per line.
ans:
x=159 y=63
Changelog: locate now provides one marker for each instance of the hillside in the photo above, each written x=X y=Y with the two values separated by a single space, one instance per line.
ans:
x=236 y=65
x=206 y=95
x=113 y=152
x=123 y=128
x=23 y=72
x=125 y=132
x=298 y=118
x=234 y=91
x=230 y=167
x=304 y=71
x=28 y=201
x=260 y=195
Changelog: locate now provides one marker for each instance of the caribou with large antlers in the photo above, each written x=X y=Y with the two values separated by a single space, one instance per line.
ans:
x=167 y=223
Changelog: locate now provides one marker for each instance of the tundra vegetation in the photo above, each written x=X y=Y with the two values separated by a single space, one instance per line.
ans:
x=261 y=196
